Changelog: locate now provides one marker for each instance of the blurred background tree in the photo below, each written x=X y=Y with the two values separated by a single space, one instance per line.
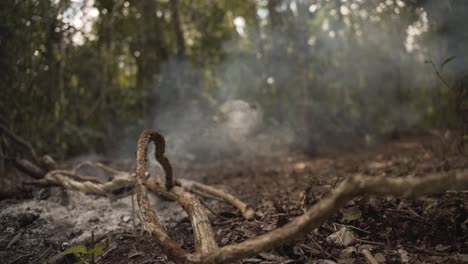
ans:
x=86 y=75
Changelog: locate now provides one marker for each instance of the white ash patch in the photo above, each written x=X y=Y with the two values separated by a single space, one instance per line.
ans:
x=82 y=213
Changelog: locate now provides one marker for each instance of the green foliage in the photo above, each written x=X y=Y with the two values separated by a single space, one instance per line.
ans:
x=86 y=254
x=326 y=73
x=78 y=249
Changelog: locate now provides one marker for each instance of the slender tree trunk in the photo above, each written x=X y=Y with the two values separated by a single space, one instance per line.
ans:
x=152 y=52
x=178 y=28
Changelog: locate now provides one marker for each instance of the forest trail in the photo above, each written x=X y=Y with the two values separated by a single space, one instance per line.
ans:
x=430 y=229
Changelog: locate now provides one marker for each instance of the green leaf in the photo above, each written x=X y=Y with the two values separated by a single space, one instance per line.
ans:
x=352 y=213
x=98 y=248
x=449 y=59
x=75 y=250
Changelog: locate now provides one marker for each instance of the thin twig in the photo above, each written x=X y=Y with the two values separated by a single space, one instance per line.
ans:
x=133 y=212
x=92 y=246
x=212 y=211
x=353 y=227
x=336 y=182
x=323 y=250
x=370 y=242
x=441 y=78
x=15 y=239
x=20 y=257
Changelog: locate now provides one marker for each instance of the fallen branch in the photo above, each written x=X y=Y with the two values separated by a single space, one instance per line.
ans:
x=244 y=208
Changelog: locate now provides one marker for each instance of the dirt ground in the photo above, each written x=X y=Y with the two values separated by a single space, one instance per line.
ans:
x=432 y=229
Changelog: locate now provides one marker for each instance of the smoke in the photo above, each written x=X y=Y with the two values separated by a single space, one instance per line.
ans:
x=200 y=126
x=301 y=86
x=234 y=128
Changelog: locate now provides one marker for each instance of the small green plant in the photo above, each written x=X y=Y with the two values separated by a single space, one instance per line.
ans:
x=86 y=254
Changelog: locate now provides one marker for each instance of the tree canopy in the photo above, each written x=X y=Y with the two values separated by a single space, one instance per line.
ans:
x=80 y=75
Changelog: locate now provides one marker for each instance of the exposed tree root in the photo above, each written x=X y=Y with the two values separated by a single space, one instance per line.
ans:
x=346 y=191
x=203 y=233
x=150 y=220
x=70 y=180
x=157 y=188
x=206 y=249
x=317 y=214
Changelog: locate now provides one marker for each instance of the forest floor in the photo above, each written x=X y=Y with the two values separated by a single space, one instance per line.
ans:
x=431 y=229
